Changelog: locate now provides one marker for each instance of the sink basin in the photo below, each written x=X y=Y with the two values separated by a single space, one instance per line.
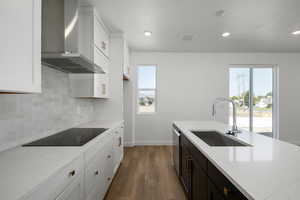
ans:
x=213 y=138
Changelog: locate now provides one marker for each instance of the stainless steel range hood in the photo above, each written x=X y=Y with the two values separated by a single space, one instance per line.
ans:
x=63 y=39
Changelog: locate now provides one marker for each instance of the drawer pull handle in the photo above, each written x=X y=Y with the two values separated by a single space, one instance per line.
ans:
x=72 y=173
x=108 y=178
x=96 y=172
x=109 y=156
x=226 y=191
x=120 y=141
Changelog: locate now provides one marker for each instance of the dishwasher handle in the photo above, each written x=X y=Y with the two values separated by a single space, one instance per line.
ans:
x=176 y=132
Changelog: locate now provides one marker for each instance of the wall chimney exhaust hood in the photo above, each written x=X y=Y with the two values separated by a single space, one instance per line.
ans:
x=63 y=38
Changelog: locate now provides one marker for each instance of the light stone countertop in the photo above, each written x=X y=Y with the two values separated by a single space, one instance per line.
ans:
x=267 y=170
x=101 y=124
x=22 y=169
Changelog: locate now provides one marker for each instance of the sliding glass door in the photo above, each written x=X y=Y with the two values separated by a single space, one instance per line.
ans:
x=252 y=90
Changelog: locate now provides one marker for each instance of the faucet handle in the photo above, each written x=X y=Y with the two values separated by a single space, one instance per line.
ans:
x=230 y=132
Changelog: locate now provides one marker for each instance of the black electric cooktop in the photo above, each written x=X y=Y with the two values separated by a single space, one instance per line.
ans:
x=70 y=137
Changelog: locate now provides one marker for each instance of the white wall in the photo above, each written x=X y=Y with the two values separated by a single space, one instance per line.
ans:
x=189 y=82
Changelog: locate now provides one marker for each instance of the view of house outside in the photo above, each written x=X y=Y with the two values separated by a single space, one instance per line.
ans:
x=146 y=101
x=262 y=98
x=146 y=89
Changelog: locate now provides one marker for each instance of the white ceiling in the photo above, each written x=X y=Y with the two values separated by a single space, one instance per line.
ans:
x=255 y=25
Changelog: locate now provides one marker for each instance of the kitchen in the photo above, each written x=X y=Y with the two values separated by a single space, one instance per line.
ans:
x=114 y=100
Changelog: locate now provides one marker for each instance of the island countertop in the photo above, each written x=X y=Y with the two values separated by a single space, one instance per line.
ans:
x=266 y=170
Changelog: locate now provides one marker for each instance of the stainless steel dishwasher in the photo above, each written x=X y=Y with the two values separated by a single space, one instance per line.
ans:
x=176 y=150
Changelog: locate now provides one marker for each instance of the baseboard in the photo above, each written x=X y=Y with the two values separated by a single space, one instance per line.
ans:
x=128 y=144
x=153 y=143
x=295 y=142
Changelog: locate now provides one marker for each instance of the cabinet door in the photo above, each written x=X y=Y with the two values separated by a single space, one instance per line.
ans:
x=20 y=49
x=101 y=86
x=100 y=59
x=73 y=192
x=199 y=182
x=118 y=147
x=213 y=193
x=101 y=38
x=186 y=172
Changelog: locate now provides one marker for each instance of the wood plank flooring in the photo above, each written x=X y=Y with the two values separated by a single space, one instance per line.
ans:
x=146 y=173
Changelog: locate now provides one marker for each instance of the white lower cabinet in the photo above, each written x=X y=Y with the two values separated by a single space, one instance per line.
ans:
x=60 y=183
x=99 y=171
x=89 y=176
x=118 y=146
x=73 y=192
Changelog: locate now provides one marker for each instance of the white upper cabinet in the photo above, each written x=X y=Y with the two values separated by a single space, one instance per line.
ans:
x=95 y=37
x=89 y=85
x=20 y=49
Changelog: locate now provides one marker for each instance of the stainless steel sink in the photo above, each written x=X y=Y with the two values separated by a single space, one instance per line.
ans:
x=213 y=138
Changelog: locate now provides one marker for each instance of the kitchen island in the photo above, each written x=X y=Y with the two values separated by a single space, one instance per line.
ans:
x=266 y=169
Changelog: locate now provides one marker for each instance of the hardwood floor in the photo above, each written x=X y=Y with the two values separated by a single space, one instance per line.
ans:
x=146 y=173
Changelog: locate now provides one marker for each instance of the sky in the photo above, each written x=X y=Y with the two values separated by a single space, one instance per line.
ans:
x=146 y=77
x=239 y=81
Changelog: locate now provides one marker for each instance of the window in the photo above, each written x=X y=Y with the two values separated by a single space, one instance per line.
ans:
x=146 y=93
x=252 y=89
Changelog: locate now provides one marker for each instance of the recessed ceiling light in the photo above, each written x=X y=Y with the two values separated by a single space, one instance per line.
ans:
x=226 y=34
x=296 y=32
x=147 y=33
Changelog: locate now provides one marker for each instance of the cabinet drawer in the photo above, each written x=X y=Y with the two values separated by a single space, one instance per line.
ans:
x=222 y=184
x=94 y=171
x=91 y=152
x=100 y=59
x=58 y=183
x=101 y=38
x=72 y=192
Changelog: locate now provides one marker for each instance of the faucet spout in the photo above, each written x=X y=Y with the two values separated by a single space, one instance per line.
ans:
x=234 y=130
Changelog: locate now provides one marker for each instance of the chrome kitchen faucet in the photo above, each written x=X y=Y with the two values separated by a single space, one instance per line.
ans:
x=234 y=130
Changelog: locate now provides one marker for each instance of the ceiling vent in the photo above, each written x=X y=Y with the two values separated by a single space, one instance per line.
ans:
x=187 y=37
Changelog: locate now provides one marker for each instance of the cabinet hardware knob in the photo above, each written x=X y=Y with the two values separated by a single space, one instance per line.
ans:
x=109 y=156
x=226 y=191
x=96 y=172
x=103 y=45
x=72 y=173
x=108 y=178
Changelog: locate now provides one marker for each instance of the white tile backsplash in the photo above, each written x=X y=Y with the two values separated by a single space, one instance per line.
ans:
x=26 y=117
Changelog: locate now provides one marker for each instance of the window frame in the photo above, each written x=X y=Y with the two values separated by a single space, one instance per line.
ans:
x=275 y=88
x=146 y=89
